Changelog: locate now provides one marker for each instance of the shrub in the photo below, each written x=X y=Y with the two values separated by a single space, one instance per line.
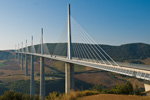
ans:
x=107 y=91
x=98 y=87
x=124 y=89
x=12 y=95
x=88 y=92
x=137 y=91
x=53 y=96
x=70 y=96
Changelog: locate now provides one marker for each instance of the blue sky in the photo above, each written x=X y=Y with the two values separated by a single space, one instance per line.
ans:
x=112 y=22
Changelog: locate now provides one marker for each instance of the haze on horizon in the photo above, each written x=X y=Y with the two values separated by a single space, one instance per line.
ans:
x=112 y=22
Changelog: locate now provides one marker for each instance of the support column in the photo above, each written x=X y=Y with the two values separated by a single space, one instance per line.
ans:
x=147 y=87
x=26 y=61
x=42 y=79
x=69 y=68
x=18 y=59
x=15 y=52
x=18 y=55
x=22 y=58
x=21 y=61
x=32 y=83
x=69 y=77
x=42 y=71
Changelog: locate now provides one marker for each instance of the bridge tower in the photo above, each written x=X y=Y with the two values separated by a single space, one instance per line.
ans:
x=26 y=61
x=69 y=68
x=32 y=83
x=22 y=57
x=42 y=71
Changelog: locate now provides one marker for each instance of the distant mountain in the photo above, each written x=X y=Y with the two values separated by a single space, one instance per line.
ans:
x=128 y=51
x=118 y=53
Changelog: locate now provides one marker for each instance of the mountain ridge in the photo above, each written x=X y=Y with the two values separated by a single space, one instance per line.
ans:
x=118 y=53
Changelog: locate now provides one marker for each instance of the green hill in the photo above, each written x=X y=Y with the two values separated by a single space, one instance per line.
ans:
x=5 y=55
x=128 y=51
x=118 y=53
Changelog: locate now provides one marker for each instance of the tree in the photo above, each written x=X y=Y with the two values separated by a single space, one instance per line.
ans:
x=124 y=89
x=137 y=90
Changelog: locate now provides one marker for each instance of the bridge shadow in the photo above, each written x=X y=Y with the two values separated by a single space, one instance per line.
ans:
x=52 y=68
x=59 y=85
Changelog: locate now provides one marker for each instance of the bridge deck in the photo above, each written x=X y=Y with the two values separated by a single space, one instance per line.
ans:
x=129 y=70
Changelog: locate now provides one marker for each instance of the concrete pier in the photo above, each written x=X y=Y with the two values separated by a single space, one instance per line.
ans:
x=69 y=77
x=42 y=71
x=32 y=83
x=18 y=55
x=15 y=52
x=147 y=87
x=18 y=59
x=26 y=61
x=42 y=79
x=26 y=64
x=21 y=61
x=22 y=58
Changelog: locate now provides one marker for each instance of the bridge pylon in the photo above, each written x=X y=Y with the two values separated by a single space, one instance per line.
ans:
x=69 y=68
x=26 y=61
x=42 y=71
x=22 y=57
x=18 y=55
x=32 y=83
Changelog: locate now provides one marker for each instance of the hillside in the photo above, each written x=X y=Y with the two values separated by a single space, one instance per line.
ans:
x=6 y=55
x=133 y=52
x=128 y=51
x=118 y=53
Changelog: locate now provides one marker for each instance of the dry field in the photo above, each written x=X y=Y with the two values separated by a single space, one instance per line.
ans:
x=114 y=97
x=107 y=79
x=12 y=71
x=104 y=78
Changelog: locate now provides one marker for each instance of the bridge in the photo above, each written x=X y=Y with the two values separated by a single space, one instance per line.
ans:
x=86 y=53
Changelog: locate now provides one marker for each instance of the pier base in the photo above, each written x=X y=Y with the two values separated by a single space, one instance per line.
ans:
x=32 y=83
x=42 y=79
x=26 y=64
x=69 y=77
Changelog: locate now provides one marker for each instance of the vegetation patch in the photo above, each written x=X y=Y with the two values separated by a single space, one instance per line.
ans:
x=51 y=85
x=2 y=64
x=12 y=95
x=126 y=89
x=71 y=96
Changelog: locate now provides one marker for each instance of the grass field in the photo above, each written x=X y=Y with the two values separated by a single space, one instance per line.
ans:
x=2 y=64
x=113 y=97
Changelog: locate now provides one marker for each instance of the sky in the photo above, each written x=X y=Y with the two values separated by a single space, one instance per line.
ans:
x=112 y=22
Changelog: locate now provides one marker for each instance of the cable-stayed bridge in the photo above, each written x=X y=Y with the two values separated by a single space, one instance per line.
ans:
x=79 y=49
